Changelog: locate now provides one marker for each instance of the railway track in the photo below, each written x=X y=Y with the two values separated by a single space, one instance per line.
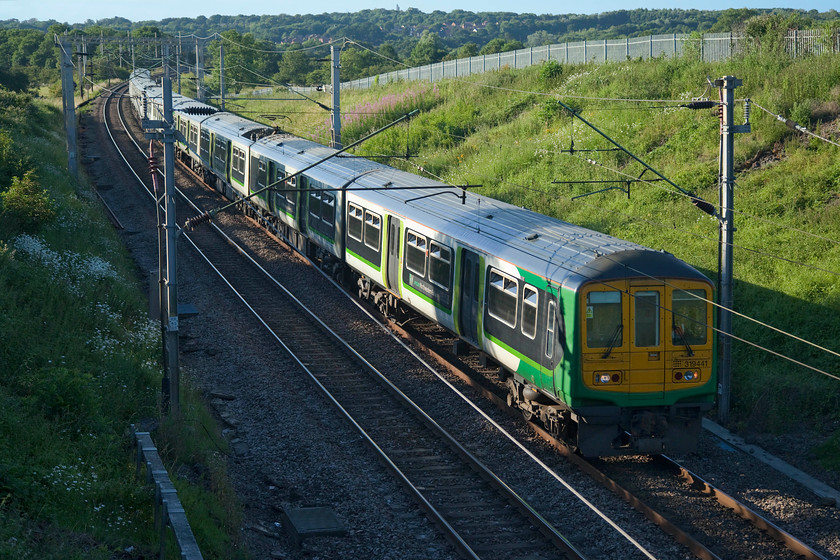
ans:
x=480 y=515
x=439 y=474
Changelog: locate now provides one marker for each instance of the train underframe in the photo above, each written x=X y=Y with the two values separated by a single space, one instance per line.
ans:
x=606 y=430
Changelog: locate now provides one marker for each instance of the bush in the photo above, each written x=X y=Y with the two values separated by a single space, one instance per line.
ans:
x=27 y=203
x=550 y=71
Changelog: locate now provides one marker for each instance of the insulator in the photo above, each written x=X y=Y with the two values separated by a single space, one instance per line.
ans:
x=747 y=108
x=200 y=110
x=197 y=221
x=701 y=104
x=702 y=205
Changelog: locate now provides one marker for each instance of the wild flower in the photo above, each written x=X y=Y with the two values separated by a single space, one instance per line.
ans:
x=389 y=105
x=71 y=268
x=111 y=335
x=79 y=478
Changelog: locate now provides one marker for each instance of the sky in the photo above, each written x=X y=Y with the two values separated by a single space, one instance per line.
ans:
x=70 y=11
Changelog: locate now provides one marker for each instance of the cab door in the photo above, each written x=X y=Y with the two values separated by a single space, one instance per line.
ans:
x=647 y=341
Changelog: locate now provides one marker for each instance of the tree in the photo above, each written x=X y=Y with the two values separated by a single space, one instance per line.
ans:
x=464 y=51
x=389 y=51
x=293 y=67
x=429 y=49
x=492 y=47
x=539 y=38
x=731 y=19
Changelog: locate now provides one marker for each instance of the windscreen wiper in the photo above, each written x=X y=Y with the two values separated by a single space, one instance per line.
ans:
x=681 y=336
x=613 y=340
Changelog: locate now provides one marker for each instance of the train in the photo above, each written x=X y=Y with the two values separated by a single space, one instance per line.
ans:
x=609 y=344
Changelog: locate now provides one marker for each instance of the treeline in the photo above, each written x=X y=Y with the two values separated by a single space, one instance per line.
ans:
x=403 y=28
x=283 y=48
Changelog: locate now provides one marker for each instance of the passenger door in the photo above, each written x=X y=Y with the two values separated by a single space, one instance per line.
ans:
x=394 y=227
x=470 y=283
x=256 y=181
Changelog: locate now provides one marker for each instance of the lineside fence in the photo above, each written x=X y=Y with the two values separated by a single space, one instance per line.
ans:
x=169 y=512
x=709 y=47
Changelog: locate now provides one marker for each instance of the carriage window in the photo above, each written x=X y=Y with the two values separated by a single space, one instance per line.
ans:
x=327 y=208
x=529 y=311
x=237 y=164
x=689 y=316
x=646 y=320
x=241 y=162
x=355 y=216
x=550 y=329
x=220 y=151
x=502 y=298
x=315 y=205
x=603 y=319
x=415 y=253
x=439 y=265
x=205 y=144
x=373 y=230
x=287 y=187
x=261 y=175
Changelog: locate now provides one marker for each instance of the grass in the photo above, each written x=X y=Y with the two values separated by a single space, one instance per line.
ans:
x=505 y=131
x=79 y=364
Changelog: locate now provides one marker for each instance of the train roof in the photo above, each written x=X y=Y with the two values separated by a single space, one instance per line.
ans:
x=233 y=126
x=562 y=252
x=297 y=153
x=551 y=248
x=142 y=80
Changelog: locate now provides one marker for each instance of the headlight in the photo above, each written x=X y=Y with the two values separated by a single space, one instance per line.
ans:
x=687 y=375
x=607 y=377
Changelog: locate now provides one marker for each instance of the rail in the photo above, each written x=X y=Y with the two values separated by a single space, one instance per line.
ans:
x=168 y=508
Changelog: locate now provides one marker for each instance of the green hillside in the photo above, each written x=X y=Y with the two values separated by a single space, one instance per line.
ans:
x=506 y=132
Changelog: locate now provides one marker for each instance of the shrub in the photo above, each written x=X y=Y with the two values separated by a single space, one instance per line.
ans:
x=27 y=203
x=550 y=71
x=11 y=162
